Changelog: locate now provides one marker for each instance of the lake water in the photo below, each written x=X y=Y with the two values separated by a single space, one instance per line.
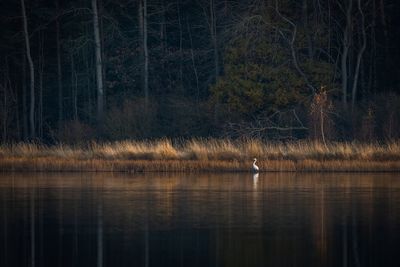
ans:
x=199 y=219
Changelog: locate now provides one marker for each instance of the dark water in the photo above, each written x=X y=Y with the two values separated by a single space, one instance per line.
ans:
x=199 y=220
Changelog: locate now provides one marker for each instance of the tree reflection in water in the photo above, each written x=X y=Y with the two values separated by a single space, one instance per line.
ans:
x=199 y=220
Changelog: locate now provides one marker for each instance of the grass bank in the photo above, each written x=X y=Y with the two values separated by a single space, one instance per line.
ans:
x=202 y=155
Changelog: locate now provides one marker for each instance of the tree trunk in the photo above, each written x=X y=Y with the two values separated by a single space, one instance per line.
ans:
x=99 y=63
x=372 y=52
x=322 y=126
x=163 y=39
x=32 y=72
x=213 y=31
x=163 y=28
x=193 y=62
x=89 y=88
x=41 y=70
x=383 y=21
x=292 y=47
x=345 y=52
x=359 y=55
x=100 y=11
x=145 y=56
x=74 y=89
x=180 y=49
x=5 y=109
x=306 y=30
x=141 y=55
x=24 y=104
x=59 y=71
x=17 y=118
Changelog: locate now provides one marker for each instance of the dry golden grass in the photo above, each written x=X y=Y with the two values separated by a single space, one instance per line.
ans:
x=202 y=155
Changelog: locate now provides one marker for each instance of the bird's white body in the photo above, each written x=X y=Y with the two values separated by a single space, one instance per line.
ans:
x=255 y=167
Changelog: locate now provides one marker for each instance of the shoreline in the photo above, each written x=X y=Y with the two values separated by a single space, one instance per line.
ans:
x=188 y=166
x=202 y=155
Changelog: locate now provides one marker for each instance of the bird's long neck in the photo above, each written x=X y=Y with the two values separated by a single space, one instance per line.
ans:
x=254 y=161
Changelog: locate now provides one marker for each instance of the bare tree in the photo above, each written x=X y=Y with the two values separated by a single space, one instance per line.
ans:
x=4 y=110
x=213 y=30
x=193 y=61
x=345 y=52
x=144 y=37
x=279 y=124
x=40 y=67
x=180 y=48
x=99 y=62
x=291 y=42
x=359 y=55
x=383 y=21
x=306 y=29
x=23 y=96
x=146 y=55
x=32 y=72
x=59 y=71
x=74 y=88
x=321 y=110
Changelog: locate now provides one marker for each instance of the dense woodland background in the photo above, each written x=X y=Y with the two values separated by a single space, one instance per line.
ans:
x=74 y=71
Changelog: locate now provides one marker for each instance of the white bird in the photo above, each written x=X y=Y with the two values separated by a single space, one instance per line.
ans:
x=255 y=167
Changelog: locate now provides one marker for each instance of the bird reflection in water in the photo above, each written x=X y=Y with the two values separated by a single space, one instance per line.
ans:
x=255 y=180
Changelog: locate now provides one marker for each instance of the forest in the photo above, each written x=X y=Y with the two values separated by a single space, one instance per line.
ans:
x=75 y=71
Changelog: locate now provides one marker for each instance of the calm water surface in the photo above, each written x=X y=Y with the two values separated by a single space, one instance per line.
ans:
x=199 y=220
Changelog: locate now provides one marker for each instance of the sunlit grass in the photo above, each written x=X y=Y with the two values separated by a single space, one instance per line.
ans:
x=203 y=155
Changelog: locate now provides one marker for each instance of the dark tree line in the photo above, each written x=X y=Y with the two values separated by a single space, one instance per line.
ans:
x=101 y=69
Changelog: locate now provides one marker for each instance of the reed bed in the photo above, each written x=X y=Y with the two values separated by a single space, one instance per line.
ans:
x=202 y=155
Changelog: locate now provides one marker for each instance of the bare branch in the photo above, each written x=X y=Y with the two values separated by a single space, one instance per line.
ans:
x=292 y=48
